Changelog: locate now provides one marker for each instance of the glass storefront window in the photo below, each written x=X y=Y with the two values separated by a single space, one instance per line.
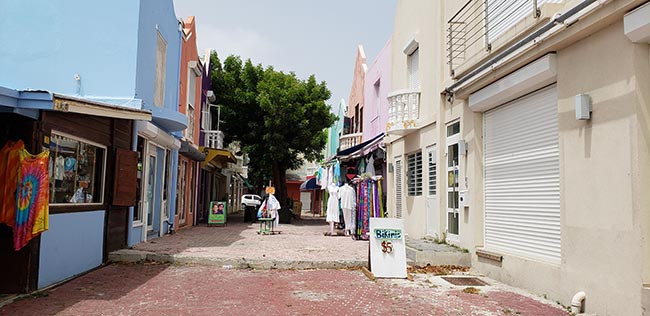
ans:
x=76 y=170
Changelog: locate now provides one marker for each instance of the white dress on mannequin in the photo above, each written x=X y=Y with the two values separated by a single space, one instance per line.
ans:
x=333 y=204
x=348 y=204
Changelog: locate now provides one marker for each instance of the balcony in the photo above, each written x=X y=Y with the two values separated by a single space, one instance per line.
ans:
x=482 y=27
x=403 y=112
x=214 y=139
x=349 y=140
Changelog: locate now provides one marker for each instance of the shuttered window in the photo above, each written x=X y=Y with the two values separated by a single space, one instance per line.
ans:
x=413 y=61
x=522 y=177
x=415 y=174
x=161 y=66
x=398 y=188
x=125 y=184
x=432 y=171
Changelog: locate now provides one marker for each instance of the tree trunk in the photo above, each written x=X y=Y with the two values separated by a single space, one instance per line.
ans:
x=280 y=183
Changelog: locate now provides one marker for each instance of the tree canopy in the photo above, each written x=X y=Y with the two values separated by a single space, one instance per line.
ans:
x=278 y=118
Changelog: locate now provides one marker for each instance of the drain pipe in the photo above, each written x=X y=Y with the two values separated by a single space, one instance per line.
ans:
x=559 y=19
x=577 y=302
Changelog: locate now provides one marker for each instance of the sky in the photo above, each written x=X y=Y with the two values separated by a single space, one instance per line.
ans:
x=307 y=37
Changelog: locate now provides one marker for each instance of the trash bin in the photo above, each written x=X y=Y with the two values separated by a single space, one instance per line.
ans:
x=285 y=215
x=250 y=214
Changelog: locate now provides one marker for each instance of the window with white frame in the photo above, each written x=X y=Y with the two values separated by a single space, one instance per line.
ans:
x=414 y=162
x=413 y=65
x=77 y=170
x=161 y=65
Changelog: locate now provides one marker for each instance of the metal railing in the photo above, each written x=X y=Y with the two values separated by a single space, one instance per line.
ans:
x=479 y=22
x=349 y=140
x=214 y=139
x=403 y=110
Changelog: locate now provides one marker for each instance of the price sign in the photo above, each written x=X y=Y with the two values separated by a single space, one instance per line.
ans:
x=387 y=250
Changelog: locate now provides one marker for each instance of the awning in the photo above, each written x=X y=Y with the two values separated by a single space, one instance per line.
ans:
x=246 y=183
x=354 y=151
x=188 y=150
x=309 y=185
x=216 y=157
x=65 y=103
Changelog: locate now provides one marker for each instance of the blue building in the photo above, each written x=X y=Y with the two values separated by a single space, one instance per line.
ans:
x=96 y=83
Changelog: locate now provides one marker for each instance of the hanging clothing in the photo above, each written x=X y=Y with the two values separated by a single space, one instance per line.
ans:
x=32 y=196
x=337 y=174
x=273 y=206
x=333 y=204
x=370 y=168
x=348 y=204
x=9 y=174
x=59 y=168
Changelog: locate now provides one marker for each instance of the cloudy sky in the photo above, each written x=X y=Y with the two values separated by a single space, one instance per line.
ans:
x=305 y=36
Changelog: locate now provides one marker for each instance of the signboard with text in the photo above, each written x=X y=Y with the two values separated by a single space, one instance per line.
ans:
x=217 y=213
x=387 y=248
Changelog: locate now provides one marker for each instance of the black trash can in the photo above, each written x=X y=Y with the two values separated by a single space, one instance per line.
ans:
x=250 y=214
x=285 y=215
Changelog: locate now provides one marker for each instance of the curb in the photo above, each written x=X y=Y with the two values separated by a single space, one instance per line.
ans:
x=136 y=256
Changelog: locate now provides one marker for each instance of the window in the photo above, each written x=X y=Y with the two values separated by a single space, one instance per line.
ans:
x=205 y=117
x=415 y=174
x=77 y=172
x=191 y=99
x=431 y=153
x=137 y=212
x=413 y=61
x=161 y=65
x=398 y=188
x=180 y=191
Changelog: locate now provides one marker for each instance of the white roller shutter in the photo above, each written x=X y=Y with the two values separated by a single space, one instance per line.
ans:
x=522 y=177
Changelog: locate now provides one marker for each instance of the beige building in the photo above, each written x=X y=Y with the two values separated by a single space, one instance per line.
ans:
x=527 y=142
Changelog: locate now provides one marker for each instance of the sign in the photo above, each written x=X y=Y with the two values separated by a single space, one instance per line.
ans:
x=387 y=247
x=217 y=213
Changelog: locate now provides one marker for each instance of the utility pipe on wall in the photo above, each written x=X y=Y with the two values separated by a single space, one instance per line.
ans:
x=577 y=302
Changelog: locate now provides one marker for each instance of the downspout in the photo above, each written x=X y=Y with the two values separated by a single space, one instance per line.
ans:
x=577 y=302
x=559 y=19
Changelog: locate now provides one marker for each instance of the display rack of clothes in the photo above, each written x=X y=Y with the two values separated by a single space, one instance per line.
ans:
x=369 y=204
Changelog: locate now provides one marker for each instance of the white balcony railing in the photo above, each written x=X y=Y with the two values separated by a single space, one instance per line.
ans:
x=403 y=111
x=214 y=139
x=349 y=140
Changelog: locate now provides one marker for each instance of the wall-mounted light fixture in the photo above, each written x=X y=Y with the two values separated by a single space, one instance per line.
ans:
x=583 y=107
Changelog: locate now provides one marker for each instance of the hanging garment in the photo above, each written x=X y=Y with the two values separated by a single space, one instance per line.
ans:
x=273 y=207
x=10 y=171
x=370 y=168
x=333 y=204
x=348 y=204
x=319 y=177
x=59 y=168
x=337 y=174
x=32 y=207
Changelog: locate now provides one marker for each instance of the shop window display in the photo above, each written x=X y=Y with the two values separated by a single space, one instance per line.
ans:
x=76 y=170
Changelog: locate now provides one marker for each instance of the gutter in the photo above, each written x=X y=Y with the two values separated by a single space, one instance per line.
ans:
x=557 y=20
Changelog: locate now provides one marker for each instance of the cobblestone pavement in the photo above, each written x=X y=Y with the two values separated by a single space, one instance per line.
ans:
x=301 y=240
x=154 y=289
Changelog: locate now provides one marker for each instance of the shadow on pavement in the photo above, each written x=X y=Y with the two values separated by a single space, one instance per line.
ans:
x=80 y=295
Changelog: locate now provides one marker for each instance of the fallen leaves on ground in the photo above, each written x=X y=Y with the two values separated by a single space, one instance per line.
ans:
x=437 y=270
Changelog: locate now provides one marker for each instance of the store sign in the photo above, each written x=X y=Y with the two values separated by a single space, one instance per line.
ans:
x=387 y=248
x=217 y=213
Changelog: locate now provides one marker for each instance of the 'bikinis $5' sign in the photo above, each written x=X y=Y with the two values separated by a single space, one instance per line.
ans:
x=382 y=233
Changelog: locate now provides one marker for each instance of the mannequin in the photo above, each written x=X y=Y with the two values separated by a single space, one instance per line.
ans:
x=349 y=205
x=332 y=206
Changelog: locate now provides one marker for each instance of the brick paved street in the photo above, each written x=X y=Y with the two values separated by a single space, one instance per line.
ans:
x=215 y=289
x=151 y=289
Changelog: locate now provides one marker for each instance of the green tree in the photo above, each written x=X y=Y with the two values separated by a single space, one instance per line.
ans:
x=278 y=118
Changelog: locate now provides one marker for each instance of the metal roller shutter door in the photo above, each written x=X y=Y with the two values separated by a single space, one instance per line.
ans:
x=522 y=177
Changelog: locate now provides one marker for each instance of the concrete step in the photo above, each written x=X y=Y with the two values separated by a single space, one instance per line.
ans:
x=424 y=251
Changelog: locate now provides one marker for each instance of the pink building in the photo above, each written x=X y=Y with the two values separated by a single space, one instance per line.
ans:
x=376 y=89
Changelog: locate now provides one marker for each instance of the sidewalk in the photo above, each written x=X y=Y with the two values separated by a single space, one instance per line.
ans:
x=300 y=245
